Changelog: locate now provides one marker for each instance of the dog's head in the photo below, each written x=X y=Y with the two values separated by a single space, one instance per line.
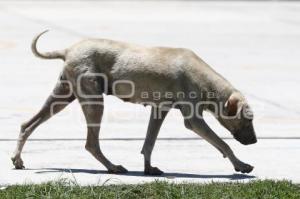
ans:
x=237 y=117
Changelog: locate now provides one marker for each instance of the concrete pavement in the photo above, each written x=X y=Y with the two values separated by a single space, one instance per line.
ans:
x=255 y=45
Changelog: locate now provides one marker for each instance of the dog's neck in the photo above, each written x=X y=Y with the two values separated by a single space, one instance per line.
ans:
x=221 y=93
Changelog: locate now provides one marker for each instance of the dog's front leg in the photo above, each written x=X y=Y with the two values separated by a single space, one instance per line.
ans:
x=156 y=119
x=200 y=127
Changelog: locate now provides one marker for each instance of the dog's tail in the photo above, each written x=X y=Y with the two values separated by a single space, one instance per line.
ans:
x=46 y=55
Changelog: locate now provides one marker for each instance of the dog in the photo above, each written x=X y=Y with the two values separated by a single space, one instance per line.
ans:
x=133 y=73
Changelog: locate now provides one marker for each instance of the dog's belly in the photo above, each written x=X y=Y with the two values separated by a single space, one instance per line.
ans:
x=146 y=87
x=145 y=91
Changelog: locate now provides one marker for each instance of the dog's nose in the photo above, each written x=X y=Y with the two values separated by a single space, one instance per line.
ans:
x=254 y=140
x=250 y=141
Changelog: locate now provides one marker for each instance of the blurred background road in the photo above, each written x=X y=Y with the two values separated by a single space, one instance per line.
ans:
x=255 y=45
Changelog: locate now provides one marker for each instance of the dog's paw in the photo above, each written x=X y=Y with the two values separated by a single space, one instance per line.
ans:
x=18 y=163
x=153 y=171
x=116 y=169
x=243 y=168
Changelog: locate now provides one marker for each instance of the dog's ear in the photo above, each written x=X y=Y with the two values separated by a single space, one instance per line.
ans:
x=232 y=105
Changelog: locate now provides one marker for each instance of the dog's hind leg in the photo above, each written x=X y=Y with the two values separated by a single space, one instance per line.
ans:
x=155 y=123
x=89 y=93
x=62 y=95
x=93 y=111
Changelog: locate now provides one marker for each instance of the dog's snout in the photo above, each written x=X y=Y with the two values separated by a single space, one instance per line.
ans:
x=251 y=141
x=254 y=140
x=245 y=139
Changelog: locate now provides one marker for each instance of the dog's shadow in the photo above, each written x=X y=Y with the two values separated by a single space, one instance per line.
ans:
x=141 y=174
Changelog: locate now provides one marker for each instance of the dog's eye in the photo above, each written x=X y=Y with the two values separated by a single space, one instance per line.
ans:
x=248 y=114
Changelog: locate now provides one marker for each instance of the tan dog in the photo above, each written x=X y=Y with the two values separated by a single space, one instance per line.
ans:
x=137 y=74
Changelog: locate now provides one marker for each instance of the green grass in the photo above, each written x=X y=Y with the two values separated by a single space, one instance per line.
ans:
x=158 y=189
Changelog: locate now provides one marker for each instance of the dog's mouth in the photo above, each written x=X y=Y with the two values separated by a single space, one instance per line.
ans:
x=246 y=140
